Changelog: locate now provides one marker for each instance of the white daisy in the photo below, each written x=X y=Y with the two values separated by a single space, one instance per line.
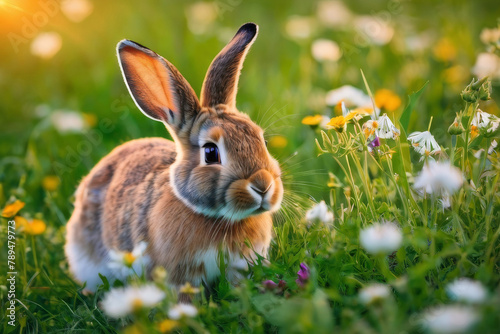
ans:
x=120 y=302
x=466 y=290
x=445 y=202
x=439 y=177
x=374 y=29
x=299 y=27
x=77 y=10
x=449 y=319
x=373 y=293
x=325 y=50
x=424 y=143
x=352 y=96
x=383 y=237
x=386 y=128
x=492 y=147
x=201 y=16
x=46 y=45
x=333 y=14
x=125 y=264
x=487 y=64
x=182 y=310
x=66 y=121
x=485 y=121
x=320 y=212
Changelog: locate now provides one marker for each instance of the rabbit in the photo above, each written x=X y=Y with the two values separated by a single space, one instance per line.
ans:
x=213 y=188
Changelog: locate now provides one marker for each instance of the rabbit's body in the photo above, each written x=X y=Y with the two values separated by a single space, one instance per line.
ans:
x=213 y=189
x=186 y=246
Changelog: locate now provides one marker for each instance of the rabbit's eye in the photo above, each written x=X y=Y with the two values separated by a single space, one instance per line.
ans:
x=212 y=155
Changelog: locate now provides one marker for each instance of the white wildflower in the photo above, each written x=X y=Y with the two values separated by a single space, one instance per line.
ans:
x=418 y=43
x=325 y=50
x=487 y=64
x=46 y=45
x=490 y=36
x=439 y=178
x=320 y=212
x=424 y=143
x=383 y=237
x=333 y=14
x=449 y=319
x=125 y=264
x=374 y=29
x=485 y=121
x=120 y=302
x=466 y=290
x=200 y=16
x=77 y=10
x=445 y=201
x=386 y=128
x=299 y=27
x=68 y=121
x=324 y=122
x=182 y=310
x=492 y=147
x=373 y=293
x=351 y=96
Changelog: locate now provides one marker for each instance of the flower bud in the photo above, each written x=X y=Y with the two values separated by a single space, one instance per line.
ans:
x=469 y=96
x=456 y=127
x=484 y=91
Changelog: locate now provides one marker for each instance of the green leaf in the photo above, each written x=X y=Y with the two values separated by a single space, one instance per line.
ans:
x=404 y=120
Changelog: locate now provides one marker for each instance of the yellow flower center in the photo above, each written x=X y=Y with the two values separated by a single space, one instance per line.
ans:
x=136 y=304
x=128 y=259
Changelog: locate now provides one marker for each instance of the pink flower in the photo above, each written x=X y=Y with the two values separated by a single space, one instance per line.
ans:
x=303 y=275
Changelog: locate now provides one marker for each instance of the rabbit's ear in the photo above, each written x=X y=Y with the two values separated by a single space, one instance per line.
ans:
x=156 y=86
x=221 y=81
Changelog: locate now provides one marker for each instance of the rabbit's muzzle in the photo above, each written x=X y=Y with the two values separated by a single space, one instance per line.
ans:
x=259 y=193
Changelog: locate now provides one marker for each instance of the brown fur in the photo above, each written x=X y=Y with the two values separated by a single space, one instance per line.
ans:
x=158 y=191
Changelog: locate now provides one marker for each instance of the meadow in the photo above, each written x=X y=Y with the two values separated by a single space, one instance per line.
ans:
x=383 y=115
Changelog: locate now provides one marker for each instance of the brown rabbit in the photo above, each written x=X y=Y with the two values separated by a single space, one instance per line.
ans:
x=213 y=188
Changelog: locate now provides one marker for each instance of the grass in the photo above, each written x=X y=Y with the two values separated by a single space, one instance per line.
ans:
x=281 y=83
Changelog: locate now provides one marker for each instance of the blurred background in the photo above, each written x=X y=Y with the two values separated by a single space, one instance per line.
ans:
x=64 y=104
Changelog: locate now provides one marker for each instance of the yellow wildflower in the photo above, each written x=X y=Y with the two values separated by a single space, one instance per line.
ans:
x=338 y=123
x=129 y=259
x=90 y=119
x=356 y=114
x=333 y=181
x=455 y=74
x=387 y=99
x=189 y=289
x=50 y=182
x=167 y=325
x=11 y=209
x=369 y=128
x=445 y=50
x=474 y=132
x=33 y=227
x=278 y=142
x=312 y=120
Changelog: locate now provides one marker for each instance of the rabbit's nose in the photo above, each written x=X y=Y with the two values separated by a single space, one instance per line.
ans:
x=261 y=182
x=260 y=191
